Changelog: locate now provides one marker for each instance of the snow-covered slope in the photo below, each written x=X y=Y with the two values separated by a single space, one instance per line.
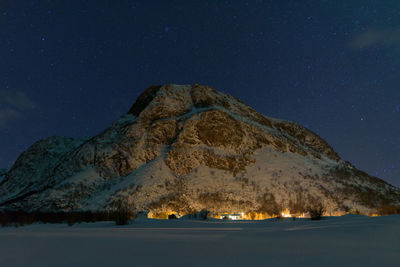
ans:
x=31 y=170
x=185 y=148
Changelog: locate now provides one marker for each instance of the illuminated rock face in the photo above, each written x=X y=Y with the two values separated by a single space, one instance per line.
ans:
x=183 y=149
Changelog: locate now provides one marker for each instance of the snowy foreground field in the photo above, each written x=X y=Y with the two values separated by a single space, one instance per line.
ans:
x=337 y=241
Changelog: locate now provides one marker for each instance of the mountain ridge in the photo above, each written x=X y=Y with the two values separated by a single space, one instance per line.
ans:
x=184 y=148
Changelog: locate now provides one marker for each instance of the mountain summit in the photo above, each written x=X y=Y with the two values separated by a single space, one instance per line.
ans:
x=187 y=148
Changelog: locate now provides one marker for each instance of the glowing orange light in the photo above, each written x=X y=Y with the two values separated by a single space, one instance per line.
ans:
x=286 y=213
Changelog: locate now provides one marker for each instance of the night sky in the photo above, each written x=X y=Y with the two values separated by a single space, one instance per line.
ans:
x=72 y=67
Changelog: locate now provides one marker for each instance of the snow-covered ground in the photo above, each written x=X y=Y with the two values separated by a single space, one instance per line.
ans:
x=336 y=241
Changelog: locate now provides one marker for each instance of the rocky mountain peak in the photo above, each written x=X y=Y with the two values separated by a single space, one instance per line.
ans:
x=196 y=95
x=185 y=148
x=172 y=101
x=144 y=99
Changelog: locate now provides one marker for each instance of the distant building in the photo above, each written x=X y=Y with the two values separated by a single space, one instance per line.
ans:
x=231 y=217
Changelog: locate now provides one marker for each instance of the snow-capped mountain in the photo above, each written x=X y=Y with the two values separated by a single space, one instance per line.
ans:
x=185 y=148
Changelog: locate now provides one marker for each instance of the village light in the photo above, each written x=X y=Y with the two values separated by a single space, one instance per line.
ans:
x=286 y=213
x=231 y=217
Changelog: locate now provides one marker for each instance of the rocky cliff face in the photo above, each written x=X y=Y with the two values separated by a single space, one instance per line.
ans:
x=2 y=174
x=184 y=148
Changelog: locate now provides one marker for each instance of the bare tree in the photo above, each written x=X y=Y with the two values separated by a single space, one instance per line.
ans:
x=316 y=211
x=122 y=213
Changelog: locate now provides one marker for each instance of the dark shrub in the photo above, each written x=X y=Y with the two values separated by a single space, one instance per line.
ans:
x=172 y=217
x=20 y=218
x=122 y=213
x=203 y=214
x=316 y=211
x=269 y=204
x=70 y=221
x=73 y=217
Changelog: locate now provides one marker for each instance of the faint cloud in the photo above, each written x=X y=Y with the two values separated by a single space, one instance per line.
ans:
x=387 y=37
x=7 y=115
x=13 y=105
x=17 y=100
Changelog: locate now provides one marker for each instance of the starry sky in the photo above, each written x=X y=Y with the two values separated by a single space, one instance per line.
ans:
x=72 y=67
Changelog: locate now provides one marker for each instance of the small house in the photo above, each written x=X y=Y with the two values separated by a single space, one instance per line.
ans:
x=231 y=217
